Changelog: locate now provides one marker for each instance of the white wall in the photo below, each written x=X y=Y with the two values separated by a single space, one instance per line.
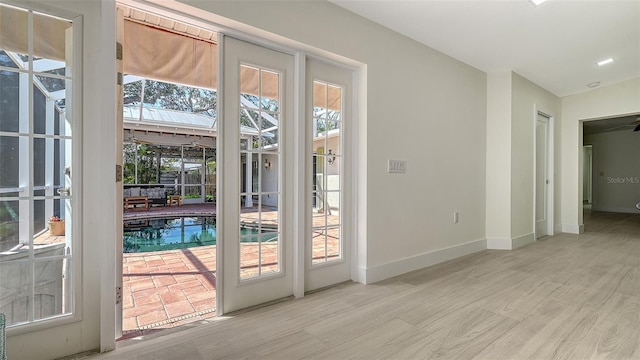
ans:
x=270 y=179
x=609 y=101
x=421 y=106
x=616 y=170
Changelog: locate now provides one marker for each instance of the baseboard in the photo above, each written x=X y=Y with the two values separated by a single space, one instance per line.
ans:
x=510 y=244
x=402 y=266
x=624 y=210
x=573 y=228
x=499 y=244
x=360 y=275
x=523 y=240
x=557 y=229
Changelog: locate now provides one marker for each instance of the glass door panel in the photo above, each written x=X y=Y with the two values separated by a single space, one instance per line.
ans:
x=259 y=213
x=257 y=245
x=36 y=190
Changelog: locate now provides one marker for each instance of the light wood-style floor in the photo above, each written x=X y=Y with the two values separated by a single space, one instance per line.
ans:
x=563 y=297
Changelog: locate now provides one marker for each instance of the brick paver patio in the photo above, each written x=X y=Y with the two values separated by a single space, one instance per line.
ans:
x=165 y=289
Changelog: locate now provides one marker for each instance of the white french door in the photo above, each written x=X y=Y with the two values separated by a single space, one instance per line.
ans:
x=40 y=166
x=255 y=214
x=328 y=251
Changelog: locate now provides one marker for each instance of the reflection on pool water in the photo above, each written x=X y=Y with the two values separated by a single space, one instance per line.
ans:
x=171 y=233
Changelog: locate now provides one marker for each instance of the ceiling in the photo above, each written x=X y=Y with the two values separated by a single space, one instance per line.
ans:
x=555 y=45
x=623 y=123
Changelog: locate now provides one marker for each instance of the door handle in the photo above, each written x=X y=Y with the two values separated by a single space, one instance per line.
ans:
x=64 y=191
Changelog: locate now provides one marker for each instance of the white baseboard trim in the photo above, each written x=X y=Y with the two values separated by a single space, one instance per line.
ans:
x=499 y=244
x=523 y=240
x=573 y=228
x=402 y=266
x=557 y=229
x=361 y=274
x=510 y=244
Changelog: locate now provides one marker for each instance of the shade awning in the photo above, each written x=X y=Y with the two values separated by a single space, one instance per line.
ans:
x=162 y=55
x=49 y=33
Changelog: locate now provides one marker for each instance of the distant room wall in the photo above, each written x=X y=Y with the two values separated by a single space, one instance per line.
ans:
x=616 y=170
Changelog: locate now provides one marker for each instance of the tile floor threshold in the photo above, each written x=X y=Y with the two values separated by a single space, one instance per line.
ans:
x=175 y=319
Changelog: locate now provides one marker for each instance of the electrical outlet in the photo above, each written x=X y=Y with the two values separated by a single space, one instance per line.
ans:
x=397 y=166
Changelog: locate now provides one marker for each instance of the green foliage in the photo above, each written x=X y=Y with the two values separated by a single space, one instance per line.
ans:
x=147 y=164
x=211 y=167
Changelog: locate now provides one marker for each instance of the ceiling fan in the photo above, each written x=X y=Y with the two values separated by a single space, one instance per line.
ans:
x=635 y=125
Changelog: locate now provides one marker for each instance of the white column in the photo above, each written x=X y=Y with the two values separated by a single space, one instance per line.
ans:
x=203 y=177
x=498 y=161
x=182 y=173
x=135 y=167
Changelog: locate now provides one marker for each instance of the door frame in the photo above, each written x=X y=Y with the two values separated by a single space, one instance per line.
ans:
x=357 y=197
x=588 y=181
x=322 y=275
x=550 y=228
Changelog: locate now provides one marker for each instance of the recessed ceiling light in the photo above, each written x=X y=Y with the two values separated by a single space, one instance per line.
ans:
x=537 y=2
x=605 y=62
x=594 y=84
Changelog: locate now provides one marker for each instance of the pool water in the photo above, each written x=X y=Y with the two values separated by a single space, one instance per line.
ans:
x=161 y=234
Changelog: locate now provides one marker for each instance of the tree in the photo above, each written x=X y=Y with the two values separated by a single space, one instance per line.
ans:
x=172 y=96
x=147 y=164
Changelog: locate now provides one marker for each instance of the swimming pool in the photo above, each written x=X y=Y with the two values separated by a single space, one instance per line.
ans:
x=171 y=233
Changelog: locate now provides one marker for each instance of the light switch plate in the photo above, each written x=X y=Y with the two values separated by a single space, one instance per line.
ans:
x=397 y=166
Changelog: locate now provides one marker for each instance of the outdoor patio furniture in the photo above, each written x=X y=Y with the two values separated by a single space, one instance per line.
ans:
x=154 y=194
x=134 y=201
x=177 y=199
